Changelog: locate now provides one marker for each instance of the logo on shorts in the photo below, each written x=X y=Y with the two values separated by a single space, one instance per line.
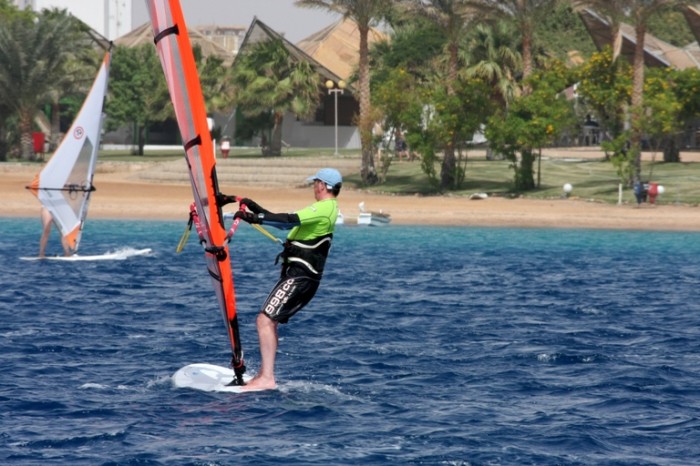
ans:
x=78 y=132
x=279 y=298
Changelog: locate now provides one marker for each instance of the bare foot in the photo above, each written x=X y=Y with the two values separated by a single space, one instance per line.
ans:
x=259 y=383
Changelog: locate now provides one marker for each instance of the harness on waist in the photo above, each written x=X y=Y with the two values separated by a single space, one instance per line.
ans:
x=310 y=254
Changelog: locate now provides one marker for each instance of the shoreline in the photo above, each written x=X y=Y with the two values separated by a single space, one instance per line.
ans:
x=119 y=196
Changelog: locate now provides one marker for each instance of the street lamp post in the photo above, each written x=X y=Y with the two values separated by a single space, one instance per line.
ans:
x=332 y=89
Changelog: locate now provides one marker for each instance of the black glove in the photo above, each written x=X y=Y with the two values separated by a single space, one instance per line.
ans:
x=223 y=199
x=252 y=205
x=247 y=217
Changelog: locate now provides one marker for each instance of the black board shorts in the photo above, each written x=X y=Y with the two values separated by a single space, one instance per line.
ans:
x=292 y=292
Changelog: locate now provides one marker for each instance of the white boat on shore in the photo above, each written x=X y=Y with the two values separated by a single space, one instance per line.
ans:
x=373 y=219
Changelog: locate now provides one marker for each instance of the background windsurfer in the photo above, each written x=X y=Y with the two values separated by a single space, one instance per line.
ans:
x=46 y=222
x=303 y=260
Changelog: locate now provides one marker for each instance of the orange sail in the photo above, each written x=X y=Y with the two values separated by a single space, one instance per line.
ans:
x=175 y=52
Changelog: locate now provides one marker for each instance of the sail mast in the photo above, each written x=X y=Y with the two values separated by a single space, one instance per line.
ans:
x=175 y=53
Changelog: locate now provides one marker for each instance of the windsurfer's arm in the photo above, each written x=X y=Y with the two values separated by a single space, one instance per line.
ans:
x=281 y=221
x=263 y=216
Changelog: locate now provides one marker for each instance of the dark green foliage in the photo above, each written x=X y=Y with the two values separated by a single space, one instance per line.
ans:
x=671 y=26
x=532 y=122
x=37 y=53
x=270 y=81
x=562 y=32
x=412 y=46
x=138 y=94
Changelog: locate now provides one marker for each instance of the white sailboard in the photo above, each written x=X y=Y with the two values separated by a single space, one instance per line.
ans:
x=64 y=185
x=120 y=254
x=208 y=378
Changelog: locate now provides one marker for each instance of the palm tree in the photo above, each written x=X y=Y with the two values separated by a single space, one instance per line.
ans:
x=453 y=18
x=525 y=14
x=33 y=55
x=492 y=59
x=364 y=13
x=267 y=78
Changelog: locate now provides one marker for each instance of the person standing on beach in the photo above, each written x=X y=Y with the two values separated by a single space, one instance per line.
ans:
x=303 y=260
x=46 y=221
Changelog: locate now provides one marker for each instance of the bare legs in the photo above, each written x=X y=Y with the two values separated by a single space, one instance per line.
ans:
x=267 y=334
x=46 y=221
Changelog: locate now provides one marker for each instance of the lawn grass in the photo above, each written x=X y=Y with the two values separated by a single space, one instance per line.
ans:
x=592 y=179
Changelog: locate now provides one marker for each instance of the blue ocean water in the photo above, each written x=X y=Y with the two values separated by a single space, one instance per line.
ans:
x=433 y=346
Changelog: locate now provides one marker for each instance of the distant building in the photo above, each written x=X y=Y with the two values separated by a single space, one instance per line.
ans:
x=337 y=46
x=657 y=53
x=206 y=43
x=334 y=54
x=227 y=37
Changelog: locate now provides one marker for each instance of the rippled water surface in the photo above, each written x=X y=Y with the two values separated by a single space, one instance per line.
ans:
x=454 y=346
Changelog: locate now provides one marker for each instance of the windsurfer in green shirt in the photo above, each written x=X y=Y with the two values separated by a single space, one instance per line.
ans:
x=303 y=259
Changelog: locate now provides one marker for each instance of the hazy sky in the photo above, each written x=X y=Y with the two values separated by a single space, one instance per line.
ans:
x=281 y=15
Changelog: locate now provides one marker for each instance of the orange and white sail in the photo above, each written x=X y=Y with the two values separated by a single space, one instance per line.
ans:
x=176 y=56
x=64 y=185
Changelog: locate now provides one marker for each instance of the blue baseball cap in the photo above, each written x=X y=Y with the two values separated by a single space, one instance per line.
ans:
x=330 y=176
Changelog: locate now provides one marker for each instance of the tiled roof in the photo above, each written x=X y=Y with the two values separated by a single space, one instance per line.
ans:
x=337 y=46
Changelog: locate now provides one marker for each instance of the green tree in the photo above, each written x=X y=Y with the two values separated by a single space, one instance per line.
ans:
x=34 y=54
x=397 y=94
x=399 y=69
x=138 y=94
x=686 y=86
x=8 y=123
x=533 y=121
x=215 y=79
x=399 y=74
x=364 y=13
x=268 y=78
x=450 y=16
x=660 y=120
x=449 y=118
x=413 y=46
x=604 y=85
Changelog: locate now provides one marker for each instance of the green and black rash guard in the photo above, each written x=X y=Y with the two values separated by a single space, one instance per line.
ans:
x=311 y=234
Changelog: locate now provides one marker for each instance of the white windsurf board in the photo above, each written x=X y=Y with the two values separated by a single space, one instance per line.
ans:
x=121 y=254
x=208 y=378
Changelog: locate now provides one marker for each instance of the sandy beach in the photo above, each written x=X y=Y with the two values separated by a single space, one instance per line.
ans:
x=120 y=195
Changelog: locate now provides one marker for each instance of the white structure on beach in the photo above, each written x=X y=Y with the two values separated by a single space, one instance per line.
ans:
x=111 y=18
